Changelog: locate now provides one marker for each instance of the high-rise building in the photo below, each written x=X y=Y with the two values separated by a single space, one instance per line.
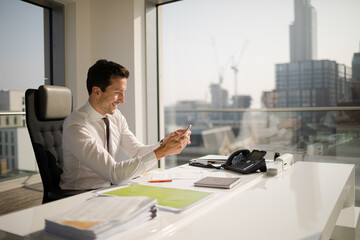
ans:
x=355 y=84
x=15 y=145
x=356 y=67
x=303 y=37
x=219 y=96
x=307 y=82
x=12 y=101
x=321 y=83
x=241 y=101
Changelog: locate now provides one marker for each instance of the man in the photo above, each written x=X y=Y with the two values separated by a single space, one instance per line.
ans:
x=91 y=153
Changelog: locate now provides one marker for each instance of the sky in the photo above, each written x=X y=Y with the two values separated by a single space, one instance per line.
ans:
x=21 y=45
x=200 y=36
x=199 y=39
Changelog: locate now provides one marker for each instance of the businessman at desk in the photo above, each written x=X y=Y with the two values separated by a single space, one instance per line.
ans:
x=95 y=134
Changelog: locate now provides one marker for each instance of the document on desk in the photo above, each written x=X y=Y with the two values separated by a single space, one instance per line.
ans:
x=102 y=216
x=163 y=176
x=169 y=199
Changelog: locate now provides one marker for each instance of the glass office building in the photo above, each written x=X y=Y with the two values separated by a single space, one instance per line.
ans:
x=303 y=38
x=321 y=83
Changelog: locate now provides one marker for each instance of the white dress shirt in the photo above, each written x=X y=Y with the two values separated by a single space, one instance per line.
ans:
x=87 y=163
x=262 y=128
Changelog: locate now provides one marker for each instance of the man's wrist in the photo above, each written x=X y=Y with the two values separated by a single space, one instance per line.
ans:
x=160 y=152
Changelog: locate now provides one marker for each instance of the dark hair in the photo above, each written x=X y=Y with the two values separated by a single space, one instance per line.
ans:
x=101 y=72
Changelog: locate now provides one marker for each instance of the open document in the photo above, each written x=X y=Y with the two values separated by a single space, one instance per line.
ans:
x=169 y=199
x=101 y=217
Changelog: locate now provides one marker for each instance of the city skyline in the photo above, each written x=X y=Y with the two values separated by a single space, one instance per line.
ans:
x=233 y=23
x=186 y=31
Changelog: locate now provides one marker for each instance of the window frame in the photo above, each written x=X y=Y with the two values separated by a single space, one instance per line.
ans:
x=54 y=41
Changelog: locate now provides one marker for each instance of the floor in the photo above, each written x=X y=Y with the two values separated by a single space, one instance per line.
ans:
x=21 y=198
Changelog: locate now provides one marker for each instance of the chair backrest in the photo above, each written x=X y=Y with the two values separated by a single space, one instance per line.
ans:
x=46 y=110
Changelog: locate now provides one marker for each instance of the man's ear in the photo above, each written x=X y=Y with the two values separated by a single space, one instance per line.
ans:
x=96 y=91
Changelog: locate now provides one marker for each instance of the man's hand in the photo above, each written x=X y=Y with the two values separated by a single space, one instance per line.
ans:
x=173 y=144
x=291 y=123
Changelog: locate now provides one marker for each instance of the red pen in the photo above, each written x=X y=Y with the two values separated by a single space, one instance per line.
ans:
x=155 y=181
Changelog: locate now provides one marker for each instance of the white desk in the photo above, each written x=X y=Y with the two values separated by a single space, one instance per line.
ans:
x=303 y=202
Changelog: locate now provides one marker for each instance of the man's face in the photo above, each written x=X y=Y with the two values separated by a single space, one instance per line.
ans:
x=114 y=94
x=271 y=99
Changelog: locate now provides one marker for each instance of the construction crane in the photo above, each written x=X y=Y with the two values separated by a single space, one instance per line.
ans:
x=220 y=69
x=235 y=67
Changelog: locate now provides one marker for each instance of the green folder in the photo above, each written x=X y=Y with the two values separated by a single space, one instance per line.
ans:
x=170 y=198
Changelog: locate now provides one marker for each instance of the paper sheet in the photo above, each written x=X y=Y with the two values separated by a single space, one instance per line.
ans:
x=157 y=176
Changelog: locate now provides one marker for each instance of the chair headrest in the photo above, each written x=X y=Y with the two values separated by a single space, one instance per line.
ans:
x=55 y=102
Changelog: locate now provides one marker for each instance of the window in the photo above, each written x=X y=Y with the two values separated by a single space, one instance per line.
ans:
x=22 y=34
x=12 y=150
x=32 y=45
x=216 y=54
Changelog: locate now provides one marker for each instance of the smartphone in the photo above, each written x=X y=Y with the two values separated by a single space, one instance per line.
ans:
x=187 y=129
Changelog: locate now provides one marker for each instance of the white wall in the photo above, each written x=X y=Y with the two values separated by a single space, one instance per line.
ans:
x=114 y=30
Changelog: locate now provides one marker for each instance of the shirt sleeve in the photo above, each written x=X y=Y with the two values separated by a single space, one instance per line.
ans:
x=131 y=146
x=273 y=129
x=88 y=151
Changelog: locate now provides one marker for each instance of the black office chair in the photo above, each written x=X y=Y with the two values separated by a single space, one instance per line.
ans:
x=46 y=110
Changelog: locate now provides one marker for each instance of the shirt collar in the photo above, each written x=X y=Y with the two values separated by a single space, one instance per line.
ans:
x=93 y=114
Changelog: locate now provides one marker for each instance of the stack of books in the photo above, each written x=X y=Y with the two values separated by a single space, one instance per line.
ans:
x=101 y=217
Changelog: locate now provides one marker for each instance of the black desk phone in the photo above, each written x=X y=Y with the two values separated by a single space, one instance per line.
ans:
x=244 y=161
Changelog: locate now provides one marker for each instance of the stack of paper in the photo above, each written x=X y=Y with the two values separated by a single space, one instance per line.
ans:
x=101 y=217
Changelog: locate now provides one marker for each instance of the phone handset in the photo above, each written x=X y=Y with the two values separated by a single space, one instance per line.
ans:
x=237 y=156
x=244 y=161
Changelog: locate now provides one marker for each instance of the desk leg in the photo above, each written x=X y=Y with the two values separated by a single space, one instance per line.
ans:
x=347 y=224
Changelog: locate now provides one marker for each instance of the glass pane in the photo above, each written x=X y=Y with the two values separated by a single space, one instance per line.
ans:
x=21 y=67
x=267 y=75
